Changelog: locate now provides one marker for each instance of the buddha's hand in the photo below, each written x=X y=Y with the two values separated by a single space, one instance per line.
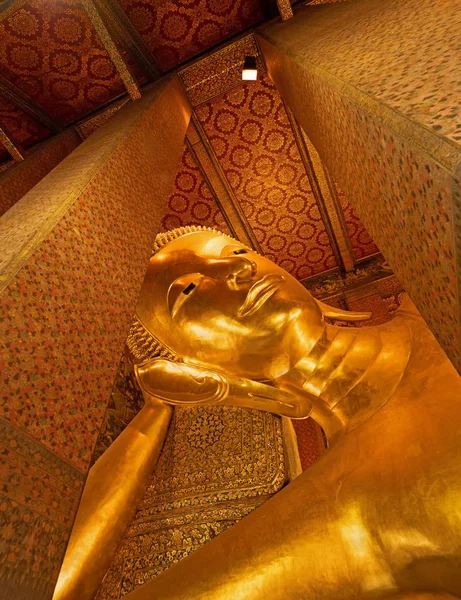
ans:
x=178 y=383
x=186 y=384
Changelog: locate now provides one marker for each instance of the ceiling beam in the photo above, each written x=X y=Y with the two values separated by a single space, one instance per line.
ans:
x=123 y=30
x=129 y=81
x=285 y=10
x=17 y=97
x=208 y=163
x=15 y=151
x=325 y=196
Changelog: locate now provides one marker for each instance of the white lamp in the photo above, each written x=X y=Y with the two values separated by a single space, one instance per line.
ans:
x=250 y=69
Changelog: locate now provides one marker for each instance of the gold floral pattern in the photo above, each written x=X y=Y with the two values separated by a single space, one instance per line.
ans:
x=217 y=465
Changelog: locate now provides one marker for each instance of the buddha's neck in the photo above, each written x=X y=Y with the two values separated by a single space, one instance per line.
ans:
x=350 y=373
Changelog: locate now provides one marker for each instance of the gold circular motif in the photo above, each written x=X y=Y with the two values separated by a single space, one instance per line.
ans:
x=68 y=30
x=296 y=249
x=24 y=58
x=274 y=141
x=175 y=26
x=315 y=255
x=24 y=24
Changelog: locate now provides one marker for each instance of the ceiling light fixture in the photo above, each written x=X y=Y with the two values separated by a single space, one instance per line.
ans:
x=250 y=69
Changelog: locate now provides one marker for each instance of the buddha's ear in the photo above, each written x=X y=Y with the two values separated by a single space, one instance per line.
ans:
x=342 y=315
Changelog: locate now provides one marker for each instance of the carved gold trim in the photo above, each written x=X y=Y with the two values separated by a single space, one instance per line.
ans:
x=122 y=69
x=325 y=196
x=220 y=71
x=222 y=190
x=87 y=126
x=210 y=180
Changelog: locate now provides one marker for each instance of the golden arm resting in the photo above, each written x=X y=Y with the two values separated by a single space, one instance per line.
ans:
x=113 y=489
x=185 y=384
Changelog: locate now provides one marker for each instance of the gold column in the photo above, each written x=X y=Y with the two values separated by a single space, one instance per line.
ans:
x=285 y=10
x=354 y=73
x=112 y=492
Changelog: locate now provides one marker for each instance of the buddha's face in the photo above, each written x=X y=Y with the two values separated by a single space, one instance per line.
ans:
x=215 y=303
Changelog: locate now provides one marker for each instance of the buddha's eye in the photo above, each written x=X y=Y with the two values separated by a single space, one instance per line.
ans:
x=241 y=251
x=186 y=291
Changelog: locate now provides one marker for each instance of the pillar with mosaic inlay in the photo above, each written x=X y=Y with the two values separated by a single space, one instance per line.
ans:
x=372 y=83
x=20 y=178
x=73 y=255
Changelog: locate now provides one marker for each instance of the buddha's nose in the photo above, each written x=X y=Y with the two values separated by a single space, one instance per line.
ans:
x=234 y=269
x=241 y=270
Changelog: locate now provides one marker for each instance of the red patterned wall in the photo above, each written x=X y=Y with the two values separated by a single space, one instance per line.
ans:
x=252 y=138
x=362 y=244
x=191 y=202
x=51 y=52
x=176 y=30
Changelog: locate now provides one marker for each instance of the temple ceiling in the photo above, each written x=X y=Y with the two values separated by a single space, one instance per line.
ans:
x=245 y=167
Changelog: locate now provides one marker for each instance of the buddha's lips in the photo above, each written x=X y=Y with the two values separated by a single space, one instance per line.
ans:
x=259 y=292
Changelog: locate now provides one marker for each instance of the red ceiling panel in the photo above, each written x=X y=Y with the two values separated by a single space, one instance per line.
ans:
x=52 y=53
x=362 y=244
x=176 y=30
x=191 y=202
x=251 y=135
x=24 y=129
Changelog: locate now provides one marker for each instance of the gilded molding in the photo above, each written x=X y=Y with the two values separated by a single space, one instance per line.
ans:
x=124 y=31
x=285 y=10
x=330 y=211
x=210 y=178
x=86 y=127
x=220 y=71
x=326 y=285
x=122 y=69
x=17 y=97
x=221 y=189
x=15 y=151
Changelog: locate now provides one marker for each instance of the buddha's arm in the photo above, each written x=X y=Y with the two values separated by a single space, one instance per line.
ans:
x=184 y=384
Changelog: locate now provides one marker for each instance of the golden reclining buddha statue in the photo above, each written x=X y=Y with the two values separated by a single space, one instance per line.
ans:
x=379 y=515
